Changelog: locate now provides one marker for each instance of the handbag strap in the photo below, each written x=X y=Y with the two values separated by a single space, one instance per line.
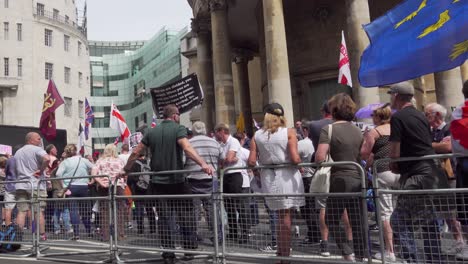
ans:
x=78 y=165
x=330 y=134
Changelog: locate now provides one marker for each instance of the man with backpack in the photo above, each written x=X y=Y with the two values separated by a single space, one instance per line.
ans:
x=139 y=185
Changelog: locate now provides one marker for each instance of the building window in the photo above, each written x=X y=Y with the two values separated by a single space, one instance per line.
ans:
x=67 y=19
x=6 y=30
x=67 y=75
x=48 y=37
x=56 y=14
x=80 y=79
x=5 y=3
x=49 y=69
x=19 y=31
x=66 y=42
x=80 y=109
x=6 y=66
x=68 y=106
x=20 y=66
x=40 y=9
x=79 y=48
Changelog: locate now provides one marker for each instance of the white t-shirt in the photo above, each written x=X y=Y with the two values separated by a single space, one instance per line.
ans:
x=244 y=155
x=306 y=149
x=232 y=144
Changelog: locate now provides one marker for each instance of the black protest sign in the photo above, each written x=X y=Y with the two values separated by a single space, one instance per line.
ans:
x=184 y=93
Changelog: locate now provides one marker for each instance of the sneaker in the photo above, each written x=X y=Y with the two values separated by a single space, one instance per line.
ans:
x=324 y=252
x=43 y=237
x=389 y=257
x=463 y=255
x=350 y=258
x=269 y=248
x=57 y=232
x=455 y=249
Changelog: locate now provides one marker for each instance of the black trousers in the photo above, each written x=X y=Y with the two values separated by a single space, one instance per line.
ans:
x=233 y=184
x=182 y=208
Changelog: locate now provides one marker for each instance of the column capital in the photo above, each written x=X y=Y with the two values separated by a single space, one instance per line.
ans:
x=201 y=25
x=216 y=5
x=242 y=55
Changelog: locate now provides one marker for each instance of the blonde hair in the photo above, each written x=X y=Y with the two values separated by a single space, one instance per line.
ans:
x=70 y=150
x=271 y=123
x=384 y=113
x=110 y=151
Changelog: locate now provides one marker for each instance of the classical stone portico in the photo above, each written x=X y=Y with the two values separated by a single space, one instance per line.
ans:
x=295 y=47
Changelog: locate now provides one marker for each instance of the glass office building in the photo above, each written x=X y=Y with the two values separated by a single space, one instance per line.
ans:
x=123 y=73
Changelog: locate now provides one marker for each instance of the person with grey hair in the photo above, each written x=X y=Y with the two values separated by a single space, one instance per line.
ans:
x=442 y=144
x=410 y=136
x=200 y=182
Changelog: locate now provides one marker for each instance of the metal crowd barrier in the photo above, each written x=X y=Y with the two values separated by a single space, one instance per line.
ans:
x=28 y=236
x=75 y=240
x=418 y=215
x=168 y=217
x=309 y=254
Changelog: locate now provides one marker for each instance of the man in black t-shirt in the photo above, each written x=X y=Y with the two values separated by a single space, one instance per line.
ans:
x=411 y=137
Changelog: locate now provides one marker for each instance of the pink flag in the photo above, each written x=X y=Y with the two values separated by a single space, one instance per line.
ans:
x=118 y=123
x=344 y=75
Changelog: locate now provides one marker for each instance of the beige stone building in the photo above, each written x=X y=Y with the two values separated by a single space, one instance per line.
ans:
x=251 y=52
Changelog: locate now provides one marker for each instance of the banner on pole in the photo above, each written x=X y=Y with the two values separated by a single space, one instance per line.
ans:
x=184 y=93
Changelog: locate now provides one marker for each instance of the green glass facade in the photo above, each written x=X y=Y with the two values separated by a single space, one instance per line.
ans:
x=123 y=72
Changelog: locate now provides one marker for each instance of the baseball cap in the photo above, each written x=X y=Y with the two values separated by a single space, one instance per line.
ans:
x=274 y=109
x=404 y=88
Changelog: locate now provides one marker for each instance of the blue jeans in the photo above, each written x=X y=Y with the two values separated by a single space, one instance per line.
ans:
x=60 y=210
x=418 y=211
x=80 y=209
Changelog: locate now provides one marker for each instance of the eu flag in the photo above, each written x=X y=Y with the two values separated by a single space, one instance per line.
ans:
x=415 y=38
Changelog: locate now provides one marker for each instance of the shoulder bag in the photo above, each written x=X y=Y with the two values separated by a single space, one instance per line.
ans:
x=321 y=179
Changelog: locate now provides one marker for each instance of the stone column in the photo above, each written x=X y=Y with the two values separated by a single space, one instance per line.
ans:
x=241 y=58
x=279 y=83
x=201 y=27
x=224 y=89
x=464 y=71
x=448 y=85
x=357 y=14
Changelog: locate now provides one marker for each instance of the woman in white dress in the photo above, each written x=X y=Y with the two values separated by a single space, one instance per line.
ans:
x=276 y=144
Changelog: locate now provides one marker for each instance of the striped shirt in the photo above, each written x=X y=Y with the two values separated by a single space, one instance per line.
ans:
x=210 y=150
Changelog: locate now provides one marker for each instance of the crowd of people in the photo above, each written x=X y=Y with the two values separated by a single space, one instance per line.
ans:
x=399 y=130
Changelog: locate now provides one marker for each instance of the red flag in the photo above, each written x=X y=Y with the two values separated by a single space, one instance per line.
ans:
x=459 y=125
x=52 y=100
x=344 y=75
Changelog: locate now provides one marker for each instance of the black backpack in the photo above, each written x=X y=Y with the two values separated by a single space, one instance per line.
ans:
x=143 y=181
x=10 y=233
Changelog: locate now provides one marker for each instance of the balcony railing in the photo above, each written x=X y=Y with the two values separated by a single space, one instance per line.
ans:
x=41 y=13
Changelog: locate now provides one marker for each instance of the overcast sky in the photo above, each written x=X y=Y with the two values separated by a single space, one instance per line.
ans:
x=134 y=19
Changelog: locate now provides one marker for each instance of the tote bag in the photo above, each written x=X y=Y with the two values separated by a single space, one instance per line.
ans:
x=321 y=180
